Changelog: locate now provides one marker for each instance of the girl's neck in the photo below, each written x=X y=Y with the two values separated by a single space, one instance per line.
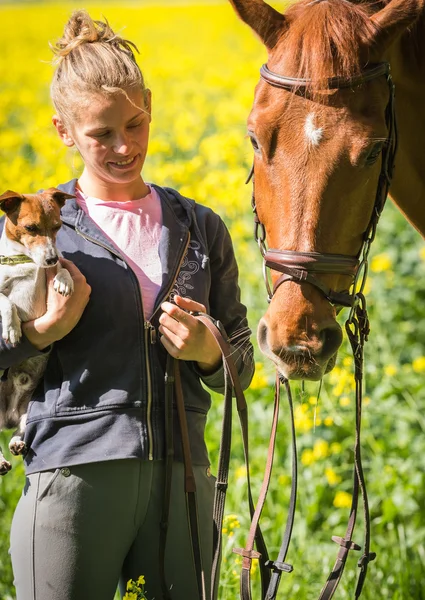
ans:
x=111 y=192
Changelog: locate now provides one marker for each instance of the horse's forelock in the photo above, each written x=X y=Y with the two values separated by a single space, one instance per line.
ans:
x=327 y=38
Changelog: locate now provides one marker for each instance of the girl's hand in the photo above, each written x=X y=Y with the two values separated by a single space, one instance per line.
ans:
x=185 y=337
x=63 y=312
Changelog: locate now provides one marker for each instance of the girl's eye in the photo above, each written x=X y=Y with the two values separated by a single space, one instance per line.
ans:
x=134 y=126
x=102 y=134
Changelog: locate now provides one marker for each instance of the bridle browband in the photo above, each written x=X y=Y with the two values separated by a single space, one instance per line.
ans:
x=306 y=267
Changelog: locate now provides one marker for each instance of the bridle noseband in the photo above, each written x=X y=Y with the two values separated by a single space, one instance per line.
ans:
x=302 y=267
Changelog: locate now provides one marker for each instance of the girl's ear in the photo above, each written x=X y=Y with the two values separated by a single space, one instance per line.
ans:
x=62 y=131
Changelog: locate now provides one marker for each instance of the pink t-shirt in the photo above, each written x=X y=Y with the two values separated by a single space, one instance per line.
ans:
x=134 y=228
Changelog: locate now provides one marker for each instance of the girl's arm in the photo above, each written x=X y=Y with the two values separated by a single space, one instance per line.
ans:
x=62 y=315
x=226 y=307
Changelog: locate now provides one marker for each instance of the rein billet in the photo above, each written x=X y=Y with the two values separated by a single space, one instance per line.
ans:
x=303 y=267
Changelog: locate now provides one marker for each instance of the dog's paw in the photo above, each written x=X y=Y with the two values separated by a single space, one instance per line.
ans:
x=12 y=333
x=5 y=466
x=17 y=446
x=63 y=283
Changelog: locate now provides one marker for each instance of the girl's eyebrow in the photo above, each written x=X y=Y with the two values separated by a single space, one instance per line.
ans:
x=141 y=113
x=102 y=127
x=96 y=129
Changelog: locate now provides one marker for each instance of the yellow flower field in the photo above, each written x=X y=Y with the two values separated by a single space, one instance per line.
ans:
x=202 y=66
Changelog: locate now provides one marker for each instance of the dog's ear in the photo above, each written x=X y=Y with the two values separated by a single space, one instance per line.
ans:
x=58 y=196
x=10 y=201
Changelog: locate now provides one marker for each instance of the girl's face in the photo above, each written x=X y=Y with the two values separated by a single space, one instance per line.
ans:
x=111 y=133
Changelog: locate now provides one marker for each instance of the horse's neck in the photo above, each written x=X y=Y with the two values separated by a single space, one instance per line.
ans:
x=408 y=65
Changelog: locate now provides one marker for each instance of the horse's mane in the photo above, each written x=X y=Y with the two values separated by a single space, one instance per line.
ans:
x=328 y=38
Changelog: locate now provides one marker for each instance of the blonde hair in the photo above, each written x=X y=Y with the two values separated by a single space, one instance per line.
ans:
x=91 y=58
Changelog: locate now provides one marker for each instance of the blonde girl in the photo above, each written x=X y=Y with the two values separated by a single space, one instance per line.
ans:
x=142 y=257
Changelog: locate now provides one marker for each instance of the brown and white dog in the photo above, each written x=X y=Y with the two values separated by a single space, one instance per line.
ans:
x=27 y=248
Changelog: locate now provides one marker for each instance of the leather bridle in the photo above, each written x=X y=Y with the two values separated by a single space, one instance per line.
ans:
x=301 y=266
x=306 y=267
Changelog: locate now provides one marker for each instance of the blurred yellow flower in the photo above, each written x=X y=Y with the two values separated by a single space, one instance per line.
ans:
x=303 y=418
x=343 y=381
x=342 y=500
x=307 y=457
x=284 y=479
x=390 y=370
x=331 y=476
x=335 y=448
x=422 y=252
x=320 y=449
x=328 y=421
x=345 y=401
x=418 y=364
x=240 y=472
x=259 y=380
x=141 y=580
x=381 y=262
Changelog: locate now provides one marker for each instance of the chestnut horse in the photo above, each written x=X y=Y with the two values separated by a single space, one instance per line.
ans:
x=318 y=152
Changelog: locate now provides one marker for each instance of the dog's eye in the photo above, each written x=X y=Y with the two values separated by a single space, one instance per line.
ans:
x=31 y=228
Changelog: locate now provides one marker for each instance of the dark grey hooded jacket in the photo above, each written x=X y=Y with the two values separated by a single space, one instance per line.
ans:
x=102 y=396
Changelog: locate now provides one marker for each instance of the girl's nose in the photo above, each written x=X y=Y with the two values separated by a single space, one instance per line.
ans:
x=121 y=144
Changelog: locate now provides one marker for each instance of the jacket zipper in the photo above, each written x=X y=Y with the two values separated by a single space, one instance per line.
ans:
x=149 y=329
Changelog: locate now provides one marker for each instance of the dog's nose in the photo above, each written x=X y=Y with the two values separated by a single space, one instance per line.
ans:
x=52 y=261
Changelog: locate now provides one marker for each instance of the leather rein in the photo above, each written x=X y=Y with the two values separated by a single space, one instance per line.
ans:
x=306 y=267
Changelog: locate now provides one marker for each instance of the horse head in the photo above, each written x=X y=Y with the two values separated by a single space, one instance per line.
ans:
x=319 y=128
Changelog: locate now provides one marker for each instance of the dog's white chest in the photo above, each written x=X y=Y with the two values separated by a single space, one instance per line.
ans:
x=25 y=286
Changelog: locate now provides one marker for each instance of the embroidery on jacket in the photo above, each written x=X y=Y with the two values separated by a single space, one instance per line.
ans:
x=187 y=270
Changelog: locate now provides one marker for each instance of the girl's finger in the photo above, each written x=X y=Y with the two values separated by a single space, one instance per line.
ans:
x=188 y=304
x=169 y=346
x=171 y=337
x=179 y=328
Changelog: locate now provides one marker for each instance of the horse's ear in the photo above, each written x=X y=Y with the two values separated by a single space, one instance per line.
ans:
x=393 y=20
x=264 y=20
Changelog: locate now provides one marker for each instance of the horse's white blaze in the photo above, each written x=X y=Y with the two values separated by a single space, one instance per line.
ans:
x=313 y=134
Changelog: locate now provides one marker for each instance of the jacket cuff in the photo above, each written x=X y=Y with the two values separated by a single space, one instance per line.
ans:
x=215 y=380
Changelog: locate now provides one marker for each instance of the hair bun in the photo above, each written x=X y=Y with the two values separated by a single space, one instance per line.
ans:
x=82 y=29
x=89 y=58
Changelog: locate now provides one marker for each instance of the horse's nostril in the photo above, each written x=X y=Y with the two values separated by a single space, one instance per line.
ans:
x=331 y=338
x=262 y=336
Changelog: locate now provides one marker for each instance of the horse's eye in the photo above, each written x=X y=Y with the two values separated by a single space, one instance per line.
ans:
x=374 y=153
x=254 y=142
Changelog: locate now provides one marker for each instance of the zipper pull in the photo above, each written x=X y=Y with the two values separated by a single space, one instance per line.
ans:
x=152 y=332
